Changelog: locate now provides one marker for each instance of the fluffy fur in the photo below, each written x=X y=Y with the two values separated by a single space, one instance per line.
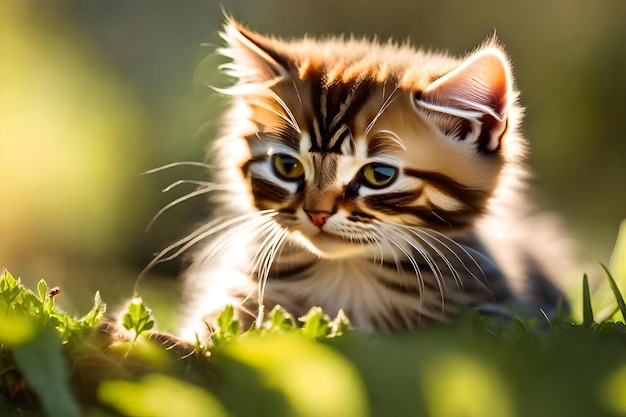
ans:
x=374 y=178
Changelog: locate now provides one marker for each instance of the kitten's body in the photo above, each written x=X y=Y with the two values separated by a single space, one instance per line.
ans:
x=376 y=179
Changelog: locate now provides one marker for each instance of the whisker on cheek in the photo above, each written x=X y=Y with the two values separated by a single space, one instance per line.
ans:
x=177 y=164
x=205 y=188
x=181 y=246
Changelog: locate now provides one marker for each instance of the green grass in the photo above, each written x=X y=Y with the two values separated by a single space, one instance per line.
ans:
x=55 y=365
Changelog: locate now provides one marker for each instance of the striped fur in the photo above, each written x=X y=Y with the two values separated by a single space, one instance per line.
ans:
x=396 y=165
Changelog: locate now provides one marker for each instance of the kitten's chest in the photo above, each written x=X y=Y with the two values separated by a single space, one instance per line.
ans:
x=375 y=294
x=348 y=284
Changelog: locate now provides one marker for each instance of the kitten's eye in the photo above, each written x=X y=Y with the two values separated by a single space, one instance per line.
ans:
x=378 y=175
x=286 y=167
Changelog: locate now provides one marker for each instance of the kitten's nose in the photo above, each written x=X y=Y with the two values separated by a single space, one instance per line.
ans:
x=319 y=217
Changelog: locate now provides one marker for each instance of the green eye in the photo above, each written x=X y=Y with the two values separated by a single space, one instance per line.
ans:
x=378 y=175
x=287 y=167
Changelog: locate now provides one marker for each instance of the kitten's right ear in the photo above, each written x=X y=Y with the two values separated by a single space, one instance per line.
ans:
x=254 y=60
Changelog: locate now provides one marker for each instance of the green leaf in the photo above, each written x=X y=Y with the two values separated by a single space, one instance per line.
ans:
x=225 y=319
x=457 y=384
x=618 y=258
x=7 y=282
x=310 y=378
x=616 y=292
x=280 y=320
x=316 y=323
x=587 y=309
x=159 y=396
x=97 y=311
x=340 y=325
x=43 y=365
x=138 y=317
x=10 y=290
x=521 y=326
x=17 y=328
x=227 y=327
x=226 y=322
x=483 y=322
x=42 y=290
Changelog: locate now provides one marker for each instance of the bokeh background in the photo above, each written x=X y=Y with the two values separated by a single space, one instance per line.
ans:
x=93 y=93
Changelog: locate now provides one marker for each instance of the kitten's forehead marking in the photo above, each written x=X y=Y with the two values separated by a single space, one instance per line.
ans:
x=332 y=107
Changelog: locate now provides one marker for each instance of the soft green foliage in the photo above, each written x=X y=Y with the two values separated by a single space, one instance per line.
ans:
x=287 y=374
x=159 y=396
x=52 y=364
x=32 y=335
x=618 y=266
x=607 y=298
x=315 y=324
x=137 y=318
x=458 y=384
x=41 y=362
x=618 y=260
x=616 y=292
x=587 y=308
x=228 y=328
x=24 y=312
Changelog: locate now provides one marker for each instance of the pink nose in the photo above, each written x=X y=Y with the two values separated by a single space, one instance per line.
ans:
x=319 y=217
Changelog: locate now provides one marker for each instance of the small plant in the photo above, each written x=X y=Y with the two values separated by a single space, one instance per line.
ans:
x=138 y=318
x=32 y=339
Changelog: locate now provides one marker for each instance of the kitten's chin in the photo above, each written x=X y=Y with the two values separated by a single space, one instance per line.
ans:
x=328 y=246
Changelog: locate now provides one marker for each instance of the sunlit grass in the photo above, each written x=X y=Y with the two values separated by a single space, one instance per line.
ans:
x=56 y=365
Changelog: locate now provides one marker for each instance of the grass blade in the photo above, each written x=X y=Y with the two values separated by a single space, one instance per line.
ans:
x=587 y=309
x=618 y=258
x=616 y=292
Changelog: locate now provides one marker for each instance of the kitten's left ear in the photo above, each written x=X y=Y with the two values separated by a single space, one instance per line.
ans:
x=471 y=102
x=255 y=60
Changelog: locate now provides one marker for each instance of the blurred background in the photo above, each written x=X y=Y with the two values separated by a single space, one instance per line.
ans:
x=94 y=93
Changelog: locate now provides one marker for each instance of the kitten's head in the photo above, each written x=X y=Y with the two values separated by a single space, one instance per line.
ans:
x=346 y=137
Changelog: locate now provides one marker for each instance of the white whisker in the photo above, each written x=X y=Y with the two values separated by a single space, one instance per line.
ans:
x=453 y=271
x=288 y=118
x=397 y=140
x=241 y=234
x=418 y=273
x=390 y=99
x=295 y=89
x=371 y=238
x=284 y=106
x=182 y=245
x=207 y=188
x=270 y=247
x=177 y=164
x=195 y=182
x=434 y=213
x=399 y=230
x=484 y=282
x=387 y=231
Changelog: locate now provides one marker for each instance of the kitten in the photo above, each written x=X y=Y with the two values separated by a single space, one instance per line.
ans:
x=373 y=178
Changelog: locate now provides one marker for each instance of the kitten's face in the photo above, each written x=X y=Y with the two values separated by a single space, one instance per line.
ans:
x=349 y=140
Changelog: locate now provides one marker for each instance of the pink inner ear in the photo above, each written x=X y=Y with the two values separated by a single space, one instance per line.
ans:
x=479 y=91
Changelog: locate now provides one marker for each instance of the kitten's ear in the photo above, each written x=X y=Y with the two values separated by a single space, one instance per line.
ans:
x=255 y=61
x=471 y=102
